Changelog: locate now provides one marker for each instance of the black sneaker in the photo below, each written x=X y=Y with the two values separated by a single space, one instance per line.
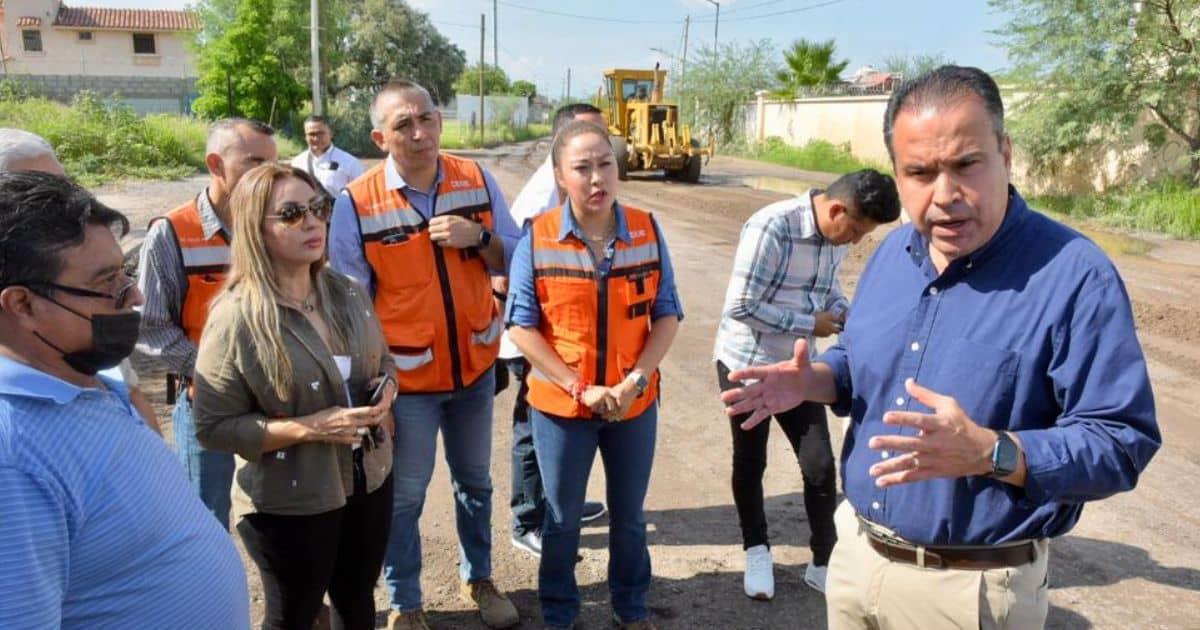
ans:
x=592 y=510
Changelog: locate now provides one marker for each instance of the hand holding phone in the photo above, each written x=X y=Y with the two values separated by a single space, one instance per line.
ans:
x=380 y=388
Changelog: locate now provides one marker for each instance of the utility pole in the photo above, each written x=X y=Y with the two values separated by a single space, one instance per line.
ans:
x=716 y=24
x=495 y=34
x=483 y=64
x=687 y=21
x=568 y=85
x=315 y=44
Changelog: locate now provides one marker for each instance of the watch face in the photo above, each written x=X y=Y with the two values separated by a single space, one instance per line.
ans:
x=1004 y=457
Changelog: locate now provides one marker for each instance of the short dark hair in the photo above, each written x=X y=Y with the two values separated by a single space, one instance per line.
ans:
x=943 y=86
x=567 y=113
x=868 y=194
x=40 y=215
x=570 y=130
x=317 y=118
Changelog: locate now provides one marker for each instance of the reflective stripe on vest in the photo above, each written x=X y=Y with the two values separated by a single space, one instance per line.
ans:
x=205 y=264
x=597 y=324
x=435 y=303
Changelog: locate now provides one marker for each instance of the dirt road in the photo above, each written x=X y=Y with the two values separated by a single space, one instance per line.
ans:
x=1132 y=562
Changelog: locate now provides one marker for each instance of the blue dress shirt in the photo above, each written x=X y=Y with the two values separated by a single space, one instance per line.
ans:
x=523 y=309
x=345 y=238
x=1033 y=333
x=99 y=527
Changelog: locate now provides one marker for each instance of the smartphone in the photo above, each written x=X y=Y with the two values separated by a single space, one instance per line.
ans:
x=377 y=395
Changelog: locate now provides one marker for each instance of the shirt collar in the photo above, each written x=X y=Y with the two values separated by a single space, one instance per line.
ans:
x=209 y=221
x=1014 y=215
x=569 y=226
x=395 y=181
x=19 y=379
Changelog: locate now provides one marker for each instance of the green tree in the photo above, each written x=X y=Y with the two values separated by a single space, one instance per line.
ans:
x=495 y=81
x=521 y=87
x=241 y=72
x=1101 y=76
x=386 y=39
x=913 y=66
x=720 y=81
x=809 y=64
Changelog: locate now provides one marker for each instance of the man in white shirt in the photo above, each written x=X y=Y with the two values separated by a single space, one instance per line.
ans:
x=528 y=503
x=331 y=166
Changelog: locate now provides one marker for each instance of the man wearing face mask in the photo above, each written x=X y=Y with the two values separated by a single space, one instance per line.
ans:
x=182 y=266
x=99 y=524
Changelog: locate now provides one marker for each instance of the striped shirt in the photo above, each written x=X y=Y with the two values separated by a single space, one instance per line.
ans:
x=784 y=272
x=99 y=527
x=163 y=280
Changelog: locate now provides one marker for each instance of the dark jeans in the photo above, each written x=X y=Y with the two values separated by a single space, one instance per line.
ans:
x=808 y=431
x=528 y=497
x=301 y=557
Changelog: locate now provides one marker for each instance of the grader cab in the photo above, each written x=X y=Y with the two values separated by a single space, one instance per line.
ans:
x=646 y=131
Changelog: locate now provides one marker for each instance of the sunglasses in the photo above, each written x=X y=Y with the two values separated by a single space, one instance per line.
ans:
x=292 y=213
x=119 y=298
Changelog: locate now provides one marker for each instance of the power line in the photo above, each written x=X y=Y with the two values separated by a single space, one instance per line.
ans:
x=594 y=18
x=739 y=8
x=470 y=26
x=776 y=13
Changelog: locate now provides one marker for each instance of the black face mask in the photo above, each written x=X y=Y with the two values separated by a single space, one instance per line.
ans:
x=113 y=338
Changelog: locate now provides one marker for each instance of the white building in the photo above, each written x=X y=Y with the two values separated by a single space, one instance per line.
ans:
x=139 y=53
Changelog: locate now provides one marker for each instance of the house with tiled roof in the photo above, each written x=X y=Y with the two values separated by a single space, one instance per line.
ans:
x=140 y=54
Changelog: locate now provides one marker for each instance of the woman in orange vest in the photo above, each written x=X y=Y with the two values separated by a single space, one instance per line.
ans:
x=293 y=374
x=592 y=304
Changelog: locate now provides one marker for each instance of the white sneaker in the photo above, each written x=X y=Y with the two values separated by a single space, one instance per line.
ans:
x=814 y=576
x=759 y=582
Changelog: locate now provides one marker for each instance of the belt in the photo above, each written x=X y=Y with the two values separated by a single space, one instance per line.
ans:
x=968 y=558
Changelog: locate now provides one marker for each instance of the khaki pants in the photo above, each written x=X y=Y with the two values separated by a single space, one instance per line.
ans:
x=866 y=590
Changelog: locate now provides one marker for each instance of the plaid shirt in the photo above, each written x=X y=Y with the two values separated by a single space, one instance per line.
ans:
x=784 y=272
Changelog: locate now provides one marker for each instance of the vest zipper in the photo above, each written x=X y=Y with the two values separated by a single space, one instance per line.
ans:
x=602 y=329
x=451 y=324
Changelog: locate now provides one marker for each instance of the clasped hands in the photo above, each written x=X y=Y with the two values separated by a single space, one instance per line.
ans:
x=610 y=403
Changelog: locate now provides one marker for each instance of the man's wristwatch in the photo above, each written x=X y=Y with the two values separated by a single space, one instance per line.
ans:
x=640 y=382
x=1005 y=456
x=485 y=237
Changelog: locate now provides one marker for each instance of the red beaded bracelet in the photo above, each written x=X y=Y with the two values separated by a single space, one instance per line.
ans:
x=578 y=388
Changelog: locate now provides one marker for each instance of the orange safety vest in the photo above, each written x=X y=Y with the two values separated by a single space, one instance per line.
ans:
x=205 y=264
x=597 y=325
x=435 y=303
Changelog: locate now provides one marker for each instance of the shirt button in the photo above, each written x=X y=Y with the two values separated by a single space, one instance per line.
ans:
x=915 y=346
x=900 y=401
x=933 y=290
x=874 y=505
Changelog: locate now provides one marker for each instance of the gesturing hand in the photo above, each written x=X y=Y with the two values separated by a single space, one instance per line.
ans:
x=948 y=442
x=449 y=230
x=780 y=387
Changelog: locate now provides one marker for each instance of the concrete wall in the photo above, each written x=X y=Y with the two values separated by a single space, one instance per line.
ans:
x=514 y=109
x=147 y=95
x=108 y=53
x=858 y=121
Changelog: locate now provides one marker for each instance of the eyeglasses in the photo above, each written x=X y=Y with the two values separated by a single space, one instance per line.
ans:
x=119 y=298
x=292 y=213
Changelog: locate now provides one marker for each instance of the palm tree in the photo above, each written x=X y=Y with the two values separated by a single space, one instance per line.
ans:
x=809 y=64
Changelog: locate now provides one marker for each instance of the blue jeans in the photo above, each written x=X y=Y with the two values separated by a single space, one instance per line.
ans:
x=465 y=420
x=565 y=451
x=211 y=472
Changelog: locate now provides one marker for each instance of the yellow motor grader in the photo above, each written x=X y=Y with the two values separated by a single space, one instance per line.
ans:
x=646 y=131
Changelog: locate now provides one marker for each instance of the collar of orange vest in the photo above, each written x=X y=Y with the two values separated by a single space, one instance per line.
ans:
x=570 y=226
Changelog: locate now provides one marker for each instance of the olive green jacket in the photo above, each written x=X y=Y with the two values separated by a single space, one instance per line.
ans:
x=234 y=402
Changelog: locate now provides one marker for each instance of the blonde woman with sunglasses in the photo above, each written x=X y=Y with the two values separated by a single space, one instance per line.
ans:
x=290 y=375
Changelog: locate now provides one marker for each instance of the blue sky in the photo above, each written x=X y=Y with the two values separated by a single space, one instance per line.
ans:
x=539 y=46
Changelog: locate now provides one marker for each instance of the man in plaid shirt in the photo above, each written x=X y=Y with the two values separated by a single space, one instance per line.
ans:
x=784 y=288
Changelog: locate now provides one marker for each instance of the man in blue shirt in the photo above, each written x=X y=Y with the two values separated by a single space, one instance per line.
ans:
x=992 y=376
x=99 y=526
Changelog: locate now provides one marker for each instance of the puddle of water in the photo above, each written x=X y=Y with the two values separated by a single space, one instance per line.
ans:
x=1117 y=244
x=778 y=184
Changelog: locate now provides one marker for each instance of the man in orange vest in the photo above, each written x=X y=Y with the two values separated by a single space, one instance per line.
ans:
x=183 y=264
x=424 y=231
